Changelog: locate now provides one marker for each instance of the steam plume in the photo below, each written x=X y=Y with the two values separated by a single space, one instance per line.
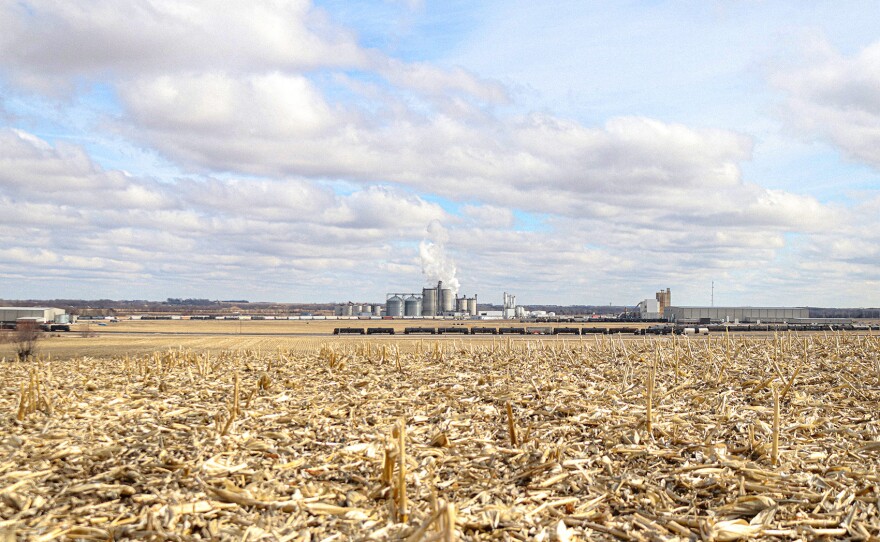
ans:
x=436 y=265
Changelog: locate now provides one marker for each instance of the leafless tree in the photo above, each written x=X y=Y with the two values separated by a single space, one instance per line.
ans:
x=25 y=338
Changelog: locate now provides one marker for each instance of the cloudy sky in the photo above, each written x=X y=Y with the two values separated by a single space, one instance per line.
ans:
x=569 y=152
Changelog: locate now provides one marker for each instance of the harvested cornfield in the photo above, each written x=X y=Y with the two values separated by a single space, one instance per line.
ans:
x=658 y=439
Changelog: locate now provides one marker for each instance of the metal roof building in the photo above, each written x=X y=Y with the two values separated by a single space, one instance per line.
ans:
x=42 y=314
x=736 y=314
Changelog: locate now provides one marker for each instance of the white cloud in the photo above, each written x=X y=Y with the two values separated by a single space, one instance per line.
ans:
x=51 y=40
x=282 y=126
x=270 y=106
x=837 y=98
x=208 y=227
x=489 y=215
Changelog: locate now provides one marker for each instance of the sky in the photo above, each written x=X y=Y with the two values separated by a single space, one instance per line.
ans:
x=569 y=152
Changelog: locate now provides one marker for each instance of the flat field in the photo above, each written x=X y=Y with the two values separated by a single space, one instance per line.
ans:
x=422 y=439
x=140 y=337
x=305 y=327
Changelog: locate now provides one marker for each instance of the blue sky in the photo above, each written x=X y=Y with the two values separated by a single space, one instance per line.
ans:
x=569 y=152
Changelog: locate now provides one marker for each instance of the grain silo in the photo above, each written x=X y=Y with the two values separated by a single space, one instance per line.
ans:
x=461 y=304
x=447 y=300
x=429 y=301
x=472 y=305
x=412 y=306
x=394 y=307
x=377 y=310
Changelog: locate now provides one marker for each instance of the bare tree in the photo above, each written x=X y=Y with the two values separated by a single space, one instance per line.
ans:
x=26 y=335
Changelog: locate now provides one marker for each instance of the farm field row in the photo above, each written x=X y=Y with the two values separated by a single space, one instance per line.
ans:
x=659 y=438
x=109 y=345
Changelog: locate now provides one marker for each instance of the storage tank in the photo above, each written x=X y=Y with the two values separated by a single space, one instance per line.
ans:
x=461 y=304
x=429 y=301
x=394 y=307
x=447 y=300
x=472 y=305
x=377 y=310
x=348 y=310
x=412 y=306
x=520 y=311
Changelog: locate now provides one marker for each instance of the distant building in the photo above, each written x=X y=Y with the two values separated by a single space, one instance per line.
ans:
x=650 y=309
x=664 y=299
x=733 y=315
x=42 y=315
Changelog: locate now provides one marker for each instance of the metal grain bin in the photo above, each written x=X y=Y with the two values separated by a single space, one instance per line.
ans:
x=394 y=307
x=412 y=306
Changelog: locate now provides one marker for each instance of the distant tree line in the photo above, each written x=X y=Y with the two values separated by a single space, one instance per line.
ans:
x=192 y=302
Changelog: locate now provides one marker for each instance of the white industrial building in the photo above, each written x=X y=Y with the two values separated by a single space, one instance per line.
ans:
x=734 y=315
x=649 y=309
x=41 y=315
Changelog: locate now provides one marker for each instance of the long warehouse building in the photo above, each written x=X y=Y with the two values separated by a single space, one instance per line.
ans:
x=743 y=315
x=10 y=315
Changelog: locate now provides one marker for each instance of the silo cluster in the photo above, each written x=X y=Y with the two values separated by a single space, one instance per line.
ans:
x=431 y=302
x=438 y=301
x=358 y=309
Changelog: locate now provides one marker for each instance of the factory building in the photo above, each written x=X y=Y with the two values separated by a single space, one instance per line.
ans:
x=733 y=315
x=653 y=309
x=649 y=309
x=41 y=315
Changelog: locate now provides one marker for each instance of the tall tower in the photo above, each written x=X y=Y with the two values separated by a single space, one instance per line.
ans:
x=509 y=307
x=664 y=299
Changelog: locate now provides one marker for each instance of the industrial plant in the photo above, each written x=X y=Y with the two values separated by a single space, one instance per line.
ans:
x=440 y=302
x=431 y=302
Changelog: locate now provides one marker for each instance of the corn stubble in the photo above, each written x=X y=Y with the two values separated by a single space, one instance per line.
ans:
x=599 y=438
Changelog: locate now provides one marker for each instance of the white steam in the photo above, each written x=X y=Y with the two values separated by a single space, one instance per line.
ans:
x=436 y=265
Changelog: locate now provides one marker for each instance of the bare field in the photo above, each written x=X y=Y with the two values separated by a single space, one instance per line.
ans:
x=302 y=327
x=667 y=438
x=114 y=345
x=142 y=338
